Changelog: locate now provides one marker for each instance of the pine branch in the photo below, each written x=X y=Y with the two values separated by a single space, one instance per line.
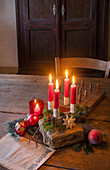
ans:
x=11 y=128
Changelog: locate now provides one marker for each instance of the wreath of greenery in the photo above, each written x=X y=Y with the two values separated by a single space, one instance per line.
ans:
x=50 y=123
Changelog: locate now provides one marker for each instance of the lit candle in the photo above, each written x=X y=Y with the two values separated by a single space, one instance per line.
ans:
x=50 y=93
x=66 y=89
x=56 y=100
x=73 y=96
x=35 y=101
x=37 y=110
x=32 y=105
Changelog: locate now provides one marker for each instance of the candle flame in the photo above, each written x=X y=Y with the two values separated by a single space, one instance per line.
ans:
x=35 y=101
x=56 y=83
x=66 y=73
x=37 y=106
x=73 y=80
x=50 y=78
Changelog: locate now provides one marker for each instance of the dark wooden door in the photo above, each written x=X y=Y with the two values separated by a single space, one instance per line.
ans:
x=58 y=28
x=37 y=35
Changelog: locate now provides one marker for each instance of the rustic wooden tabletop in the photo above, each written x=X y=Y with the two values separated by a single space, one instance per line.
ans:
x=15 y=93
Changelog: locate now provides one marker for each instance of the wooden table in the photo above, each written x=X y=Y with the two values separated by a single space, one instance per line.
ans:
x=15 y=93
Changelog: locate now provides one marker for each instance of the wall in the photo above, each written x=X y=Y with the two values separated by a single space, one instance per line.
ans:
x=8 y=38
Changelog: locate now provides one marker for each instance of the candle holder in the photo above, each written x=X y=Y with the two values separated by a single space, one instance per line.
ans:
x=72 y=108
x=55 y=112
x=32 y=106
x=50 y=105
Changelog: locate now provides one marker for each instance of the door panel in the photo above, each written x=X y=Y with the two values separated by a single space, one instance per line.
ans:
x=79 y=28
x=40 y=9
x=41 y=50
x=72 y=38
x=77 y=9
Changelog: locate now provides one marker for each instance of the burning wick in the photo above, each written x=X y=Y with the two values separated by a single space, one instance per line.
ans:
x=35 y=101
x=37 y=106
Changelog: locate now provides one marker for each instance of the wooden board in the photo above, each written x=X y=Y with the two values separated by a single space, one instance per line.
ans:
x=58 y=139
x=92 y=100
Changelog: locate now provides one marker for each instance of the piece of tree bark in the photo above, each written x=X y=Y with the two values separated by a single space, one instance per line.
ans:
x=57 y=139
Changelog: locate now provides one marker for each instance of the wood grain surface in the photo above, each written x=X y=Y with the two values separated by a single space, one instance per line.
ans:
x=15 y=93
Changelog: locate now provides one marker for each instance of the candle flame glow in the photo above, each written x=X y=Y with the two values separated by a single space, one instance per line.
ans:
x=50 y=78
x=37 y=106
x=56 y=83
x=66 y=73
x=35 y=101
x=73 y=80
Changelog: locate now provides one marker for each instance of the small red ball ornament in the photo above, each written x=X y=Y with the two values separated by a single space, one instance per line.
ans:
x=20 y=127
x=33 y=119
x=95 y=137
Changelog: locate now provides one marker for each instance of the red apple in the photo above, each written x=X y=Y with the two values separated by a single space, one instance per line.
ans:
x=95 y=137
x=33 y=119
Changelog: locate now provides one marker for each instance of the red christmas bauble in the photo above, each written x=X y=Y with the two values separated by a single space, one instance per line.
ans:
x=20 y=127
x=95 y=137
x=33 y=119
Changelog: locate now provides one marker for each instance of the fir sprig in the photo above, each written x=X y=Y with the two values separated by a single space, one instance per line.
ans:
x=47 y=112
x=85 y=145
x=81 y=113
x=77 y=147
x=11 y=128
x=60 y=126
x=48 y=126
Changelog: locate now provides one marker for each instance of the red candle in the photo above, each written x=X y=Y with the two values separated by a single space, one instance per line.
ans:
x=56 y=96
x=50 y=89
x=73 y=92
x=37 y=110
x=66 y=85
x=32 y=105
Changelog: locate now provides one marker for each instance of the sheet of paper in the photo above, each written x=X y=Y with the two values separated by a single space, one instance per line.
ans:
x=21 y=155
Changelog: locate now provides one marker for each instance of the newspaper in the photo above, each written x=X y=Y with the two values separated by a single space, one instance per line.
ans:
x=22 y=155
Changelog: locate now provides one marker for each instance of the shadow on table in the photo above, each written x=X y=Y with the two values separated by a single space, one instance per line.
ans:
x=102 y=146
